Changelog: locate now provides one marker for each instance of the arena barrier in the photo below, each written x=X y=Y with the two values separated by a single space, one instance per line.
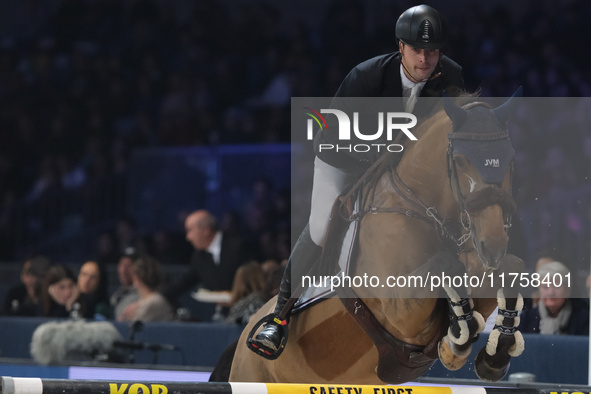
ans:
x=12 y=385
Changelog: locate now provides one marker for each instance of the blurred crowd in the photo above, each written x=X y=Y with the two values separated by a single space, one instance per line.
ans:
x=234 y=277
x=84 y=83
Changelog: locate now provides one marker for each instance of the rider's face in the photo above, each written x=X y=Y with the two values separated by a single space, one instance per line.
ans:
x=418 y=64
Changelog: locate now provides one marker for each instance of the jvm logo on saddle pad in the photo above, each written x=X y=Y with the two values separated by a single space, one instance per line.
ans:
x=491 y=163
x=406 y=121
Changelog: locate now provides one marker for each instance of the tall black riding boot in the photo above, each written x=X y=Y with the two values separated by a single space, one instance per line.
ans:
x=302 y=258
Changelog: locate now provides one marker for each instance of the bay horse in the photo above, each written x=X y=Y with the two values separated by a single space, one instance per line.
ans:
x=451 y=186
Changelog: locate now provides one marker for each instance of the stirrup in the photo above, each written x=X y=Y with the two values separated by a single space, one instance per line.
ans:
x=262 y=350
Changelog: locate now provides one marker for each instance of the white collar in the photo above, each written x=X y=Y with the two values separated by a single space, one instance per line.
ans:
x=215 y=247
x=407 y=84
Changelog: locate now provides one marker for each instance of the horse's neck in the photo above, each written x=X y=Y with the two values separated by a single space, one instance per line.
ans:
x=423 y=169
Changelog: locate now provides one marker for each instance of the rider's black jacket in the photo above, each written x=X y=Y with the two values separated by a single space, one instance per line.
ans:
x=380 y=77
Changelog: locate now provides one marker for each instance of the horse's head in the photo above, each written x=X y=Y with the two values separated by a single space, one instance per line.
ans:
x=480 y=165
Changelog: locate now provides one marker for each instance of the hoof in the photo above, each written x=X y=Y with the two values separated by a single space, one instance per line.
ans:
x=485 y=371
x=448 y=358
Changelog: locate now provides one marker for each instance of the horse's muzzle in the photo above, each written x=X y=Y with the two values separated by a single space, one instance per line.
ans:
x=491 y=256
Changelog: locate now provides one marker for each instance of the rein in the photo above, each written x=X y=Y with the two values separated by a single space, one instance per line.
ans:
x=419 y=210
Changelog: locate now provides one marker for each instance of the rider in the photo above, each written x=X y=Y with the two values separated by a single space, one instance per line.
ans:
x=418 y=69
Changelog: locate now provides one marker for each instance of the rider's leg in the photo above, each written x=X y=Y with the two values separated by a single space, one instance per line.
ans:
x=329 y=182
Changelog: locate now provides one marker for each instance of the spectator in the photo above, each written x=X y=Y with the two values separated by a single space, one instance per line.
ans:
x=147 y=278
x=23 y=299
x=215 y=260
x=249 y=293
x=125 y=294
x=60 y=296
x=556 y=313
x=52 y=88
x=91 y=284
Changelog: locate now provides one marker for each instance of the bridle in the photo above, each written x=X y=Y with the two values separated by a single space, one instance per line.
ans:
x=490 y=195
x=455 y=234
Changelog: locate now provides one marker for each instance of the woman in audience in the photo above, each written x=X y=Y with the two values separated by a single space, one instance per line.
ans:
x=92 y=287
x=147 y=278
x=60 y=296
x=249 y=293
x=23 y=298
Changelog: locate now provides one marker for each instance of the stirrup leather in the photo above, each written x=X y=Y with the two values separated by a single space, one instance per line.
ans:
x=262 y=350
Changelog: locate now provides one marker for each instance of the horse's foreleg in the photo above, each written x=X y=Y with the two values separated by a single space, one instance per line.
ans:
x=464 y=322
x=504 y=341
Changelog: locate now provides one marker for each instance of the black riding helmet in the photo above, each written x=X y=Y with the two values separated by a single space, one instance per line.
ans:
x=422 y=27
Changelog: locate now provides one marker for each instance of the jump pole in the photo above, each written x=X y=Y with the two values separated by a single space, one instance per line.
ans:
x=12 y=385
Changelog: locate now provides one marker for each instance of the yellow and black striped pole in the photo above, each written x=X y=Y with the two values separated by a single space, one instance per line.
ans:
x=12 y=385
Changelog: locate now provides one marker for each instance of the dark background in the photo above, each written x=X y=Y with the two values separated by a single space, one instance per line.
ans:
x=117 y=118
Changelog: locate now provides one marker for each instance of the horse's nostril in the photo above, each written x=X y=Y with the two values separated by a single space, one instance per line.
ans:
x=493 y=255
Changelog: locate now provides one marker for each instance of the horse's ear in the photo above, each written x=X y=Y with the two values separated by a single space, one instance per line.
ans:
x=504 y=111
x=456 y=114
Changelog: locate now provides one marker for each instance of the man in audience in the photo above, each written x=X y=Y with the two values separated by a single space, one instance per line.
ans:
x=125 y=294
x=215 y=260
